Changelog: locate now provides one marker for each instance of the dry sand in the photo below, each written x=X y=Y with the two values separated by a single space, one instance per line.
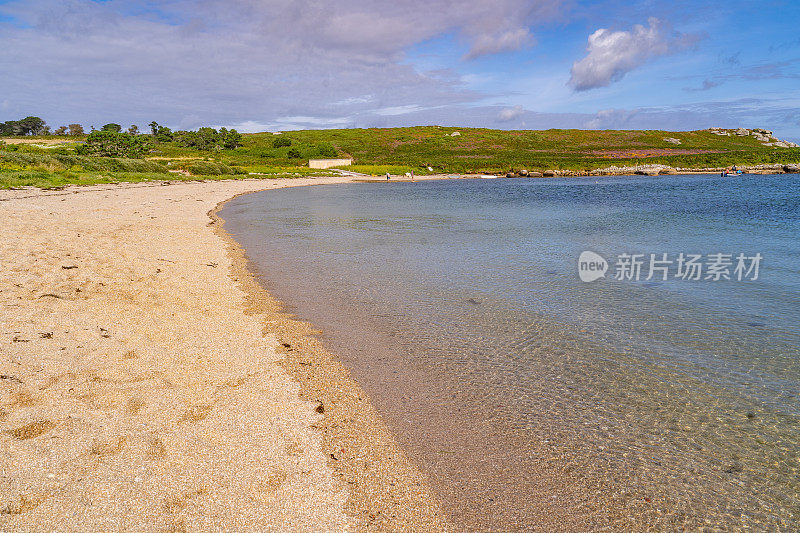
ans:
x=147 y=383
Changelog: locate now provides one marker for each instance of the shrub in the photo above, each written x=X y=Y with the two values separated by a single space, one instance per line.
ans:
x=293 y=153
x=114 y=144
x=281 y=141
x=210 y=168
x=326 y=150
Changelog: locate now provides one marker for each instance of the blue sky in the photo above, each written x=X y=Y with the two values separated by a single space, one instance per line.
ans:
x=284 y=64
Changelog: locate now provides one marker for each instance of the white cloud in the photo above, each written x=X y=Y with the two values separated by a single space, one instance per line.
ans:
x=510 y=113
x=612 y=54
x=243 y=61
x=506 y=41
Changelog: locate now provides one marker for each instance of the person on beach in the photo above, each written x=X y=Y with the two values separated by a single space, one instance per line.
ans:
x=412 y=175
x=387 y=175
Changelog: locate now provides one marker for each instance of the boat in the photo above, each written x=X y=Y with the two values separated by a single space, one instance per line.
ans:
x=733 y=172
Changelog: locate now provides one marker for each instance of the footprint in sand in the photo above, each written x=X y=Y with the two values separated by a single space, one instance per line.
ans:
x=134 y=405
x=32 y=430
x=196 y=413
x=155 y=448
x=23 y=505
x=108 y=446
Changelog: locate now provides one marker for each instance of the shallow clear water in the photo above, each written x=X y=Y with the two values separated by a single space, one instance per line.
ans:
x=458 y=306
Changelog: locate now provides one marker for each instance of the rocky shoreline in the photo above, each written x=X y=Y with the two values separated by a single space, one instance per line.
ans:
x=656 y=170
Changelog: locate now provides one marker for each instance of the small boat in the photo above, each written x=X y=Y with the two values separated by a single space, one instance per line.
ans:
x=726 y=173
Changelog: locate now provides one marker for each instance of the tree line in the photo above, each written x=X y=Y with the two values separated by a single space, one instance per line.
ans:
x=111 y=141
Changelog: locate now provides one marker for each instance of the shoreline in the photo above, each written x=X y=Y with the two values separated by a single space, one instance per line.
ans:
x=387 y=492
x=129 y=379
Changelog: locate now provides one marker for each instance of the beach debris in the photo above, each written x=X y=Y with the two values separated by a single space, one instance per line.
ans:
x=473 y=301
x=11 y=378
x=735 y=468
x=19 y=339
x=430 y=169
x=320 y=408
x=51 y=295
x=212 y=265
x=286 y=345
x=750 y=415
x=69 y=267
x=48 y=335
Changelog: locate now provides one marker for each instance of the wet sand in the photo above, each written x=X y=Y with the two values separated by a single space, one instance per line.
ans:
x=148 y=383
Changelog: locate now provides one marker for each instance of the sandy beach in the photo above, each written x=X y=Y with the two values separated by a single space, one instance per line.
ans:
x=148 y=383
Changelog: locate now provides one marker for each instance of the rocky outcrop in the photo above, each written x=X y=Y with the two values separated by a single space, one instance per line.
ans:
x=672 y=140
x=782 y=144
x=791 y=169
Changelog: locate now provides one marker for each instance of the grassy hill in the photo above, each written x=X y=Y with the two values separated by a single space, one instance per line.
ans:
x=397 y=150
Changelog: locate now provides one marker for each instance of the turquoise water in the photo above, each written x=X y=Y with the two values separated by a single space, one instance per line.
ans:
x=458 y=306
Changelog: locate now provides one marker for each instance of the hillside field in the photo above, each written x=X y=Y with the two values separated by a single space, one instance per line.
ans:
x=52 y=162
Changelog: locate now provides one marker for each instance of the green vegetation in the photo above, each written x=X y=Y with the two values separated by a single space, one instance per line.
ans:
x=209 y=139
x=224 y=154
x=496 y=151
x=111 y=143
x=25 y=126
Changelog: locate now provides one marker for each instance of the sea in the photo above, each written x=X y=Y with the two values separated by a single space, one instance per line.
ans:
x=581 y=353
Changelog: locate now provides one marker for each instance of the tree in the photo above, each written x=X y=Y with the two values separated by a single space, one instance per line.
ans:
x=111 y=126
x=231 y=139
x=25 y=126
x=61 y=130
x=209 y=139
x=281 y=141
x=32 y=126
x=115 y=144
x=75 y=129
x=134 y=129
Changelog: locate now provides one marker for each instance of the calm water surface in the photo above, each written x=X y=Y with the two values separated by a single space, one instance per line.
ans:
x=530 y=397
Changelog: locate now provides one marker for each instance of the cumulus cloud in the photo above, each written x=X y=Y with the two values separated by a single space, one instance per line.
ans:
x=510 y=113
x=243 y=61
x=612 y=54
